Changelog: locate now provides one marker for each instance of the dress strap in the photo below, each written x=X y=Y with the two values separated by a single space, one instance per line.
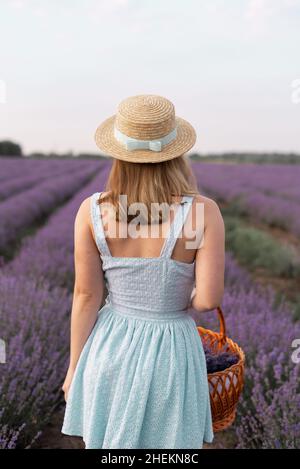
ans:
x=176 y=226
x=98 y=225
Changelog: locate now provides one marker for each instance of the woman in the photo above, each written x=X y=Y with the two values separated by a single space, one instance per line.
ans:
x=137 y=376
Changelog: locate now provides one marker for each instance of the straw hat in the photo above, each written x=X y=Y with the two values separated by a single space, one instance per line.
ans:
x=145 y=130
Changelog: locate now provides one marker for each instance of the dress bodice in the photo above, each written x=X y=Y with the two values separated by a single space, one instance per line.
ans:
x=157 y=284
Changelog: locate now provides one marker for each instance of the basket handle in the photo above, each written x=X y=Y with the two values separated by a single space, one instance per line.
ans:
x=222 y=340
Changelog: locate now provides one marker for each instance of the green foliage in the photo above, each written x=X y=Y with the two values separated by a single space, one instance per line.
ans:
x=296 y=309
x=256 y=249
x=8 y=148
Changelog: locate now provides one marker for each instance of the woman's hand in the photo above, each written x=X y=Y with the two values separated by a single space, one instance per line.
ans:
x=67 y=382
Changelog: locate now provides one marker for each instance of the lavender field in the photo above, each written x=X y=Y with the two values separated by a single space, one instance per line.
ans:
x=261 y=208
x=268 y=193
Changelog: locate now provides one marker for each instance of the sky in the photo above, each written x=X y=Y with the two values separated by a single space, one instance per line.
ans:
x=230 y=67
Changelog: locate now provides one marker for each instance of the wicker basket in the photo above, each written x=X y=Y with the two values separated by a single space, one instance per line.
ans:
x=224 y=386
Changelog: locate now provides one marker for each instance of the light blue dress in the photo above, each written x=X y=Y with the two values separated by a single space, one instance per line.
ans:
x=141 y=379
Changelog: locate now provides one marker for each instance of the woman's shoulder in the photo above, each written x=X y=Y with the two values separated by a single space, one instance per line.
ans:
x=212 y=212
x=85 y=204
x=209 y=204
x=84 y=210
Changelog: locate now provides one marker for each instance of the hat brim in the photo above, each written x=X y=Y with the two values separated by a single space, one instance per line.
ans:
x=105 y=140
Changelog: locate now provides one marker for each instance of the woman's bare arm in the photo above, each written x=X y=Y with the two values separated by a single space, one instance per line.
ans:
x=210 y=261
x=88 y=287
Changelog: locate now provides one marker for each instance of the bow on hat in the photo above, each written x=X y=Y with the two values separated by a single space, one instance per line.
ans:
x=135 y=144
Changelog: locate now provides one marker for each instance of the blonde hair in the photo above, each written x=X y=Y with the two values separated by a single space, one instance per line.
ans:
x=147 y=183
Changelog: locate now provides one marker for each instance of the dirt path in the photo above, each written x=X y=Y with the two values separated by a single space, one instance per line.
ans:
x=52 y=438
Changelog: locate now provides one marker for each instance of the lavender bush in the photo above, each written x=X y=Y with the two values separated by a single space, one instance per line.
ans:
x=34 y=324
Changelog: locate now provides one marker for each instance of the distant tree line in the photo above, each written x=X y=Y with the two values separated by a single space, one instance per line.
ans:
x=12 y=149
x=283 y=158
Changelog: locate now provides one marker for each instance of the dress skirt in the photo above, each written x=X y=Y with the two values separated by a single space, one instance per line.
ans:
x=140 y=382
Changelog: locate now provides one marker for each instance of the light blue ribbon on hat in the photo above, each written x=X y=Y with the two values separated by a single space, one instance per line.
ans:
x=135 y=144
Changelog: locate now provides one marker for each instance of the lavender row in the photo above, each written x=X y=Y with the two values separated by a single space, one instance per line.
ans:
x=37 y=175
x=41 y=256
x=19 y=212
x=267 y=198
x=281 y=180
x=273 y=210
x=34 y=322
x=11 y=168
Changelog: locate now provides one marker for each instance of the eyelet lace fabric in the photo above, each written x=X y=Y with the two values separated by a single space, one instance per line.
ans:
x=141 y=379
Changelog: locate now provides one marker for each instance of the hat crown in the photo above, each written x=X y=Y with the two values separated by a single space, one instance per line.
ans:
x=145 y=117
